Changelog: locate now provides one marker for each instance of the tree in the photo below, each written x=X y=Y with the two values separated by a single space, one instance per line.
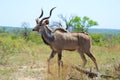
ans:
x=82 y=24
x=67 y=22
x=3 y=30
x=78 y=24
x=26 y=31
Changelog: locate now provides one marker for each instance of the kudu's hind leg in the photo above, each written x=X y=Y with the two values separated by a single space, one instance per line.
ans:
x=83 y=57
x=89 y=54
x=50 y=57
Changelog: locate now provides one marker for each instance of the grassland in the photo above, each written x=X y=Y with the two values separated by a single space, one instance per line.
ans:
x=21 y=60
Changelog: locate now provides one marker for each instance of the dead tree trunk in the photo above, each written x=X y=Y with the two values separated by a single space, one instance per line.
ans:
x=93 y=74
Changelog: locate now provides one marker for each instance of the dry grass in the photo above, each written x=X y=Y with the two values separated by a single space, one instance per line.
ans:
x=31 y=64
x=107 y=58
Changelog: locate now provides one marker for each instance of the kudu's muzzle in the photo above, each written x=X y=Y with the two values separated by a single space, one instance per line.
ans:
x=33 y=29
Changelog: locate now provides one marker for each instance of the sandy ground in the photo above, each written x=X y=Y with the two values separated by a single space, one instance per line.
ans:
x=35 y=72
x=26 y=72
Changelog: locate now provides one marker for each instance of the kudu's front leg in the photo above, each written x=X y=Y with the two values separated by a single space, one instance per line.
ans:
x=60 y=62
x=50 y=57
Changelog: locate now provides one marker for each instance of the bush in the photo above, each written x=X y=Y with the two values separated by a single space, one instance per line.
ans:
x=35 y=38
x=105 y=39
x=10 y=44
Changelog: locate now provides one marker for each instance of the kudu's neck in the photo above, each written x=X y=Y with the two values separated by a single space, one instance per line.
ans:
x=47 y=35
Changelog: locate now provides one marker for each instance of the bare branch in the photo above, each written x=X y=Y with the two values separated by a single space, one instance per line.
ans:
x=67 y=21
x=92 y=74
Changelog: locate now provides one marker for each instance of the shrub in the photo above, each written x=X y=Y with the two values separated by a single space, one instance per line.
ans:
x=105 y=39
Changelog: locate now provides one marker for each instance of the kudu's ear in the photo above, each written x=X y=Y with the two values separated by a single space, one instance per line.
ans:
x=46 y=22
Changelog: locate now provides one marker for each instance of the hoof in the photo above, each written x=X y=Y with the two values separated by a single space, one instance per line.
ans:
x=61 y=62
x=50 y=73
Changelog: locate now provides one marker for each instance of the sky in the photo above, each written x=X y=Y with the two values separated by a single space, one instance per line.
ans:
x=15 y=12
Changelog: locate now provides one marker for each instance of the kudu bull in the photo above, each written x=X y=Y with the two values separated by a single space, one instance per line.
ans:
x=59 y=39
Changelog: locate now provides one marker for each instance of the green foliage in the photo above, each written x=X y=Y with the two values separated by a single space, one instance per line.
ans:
x=78 y=24
x=3 y=30
x=11 y=44
x=82 y=24
x=105 y=39
x=97 y=39
x=8 y=46
x=35 y=38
